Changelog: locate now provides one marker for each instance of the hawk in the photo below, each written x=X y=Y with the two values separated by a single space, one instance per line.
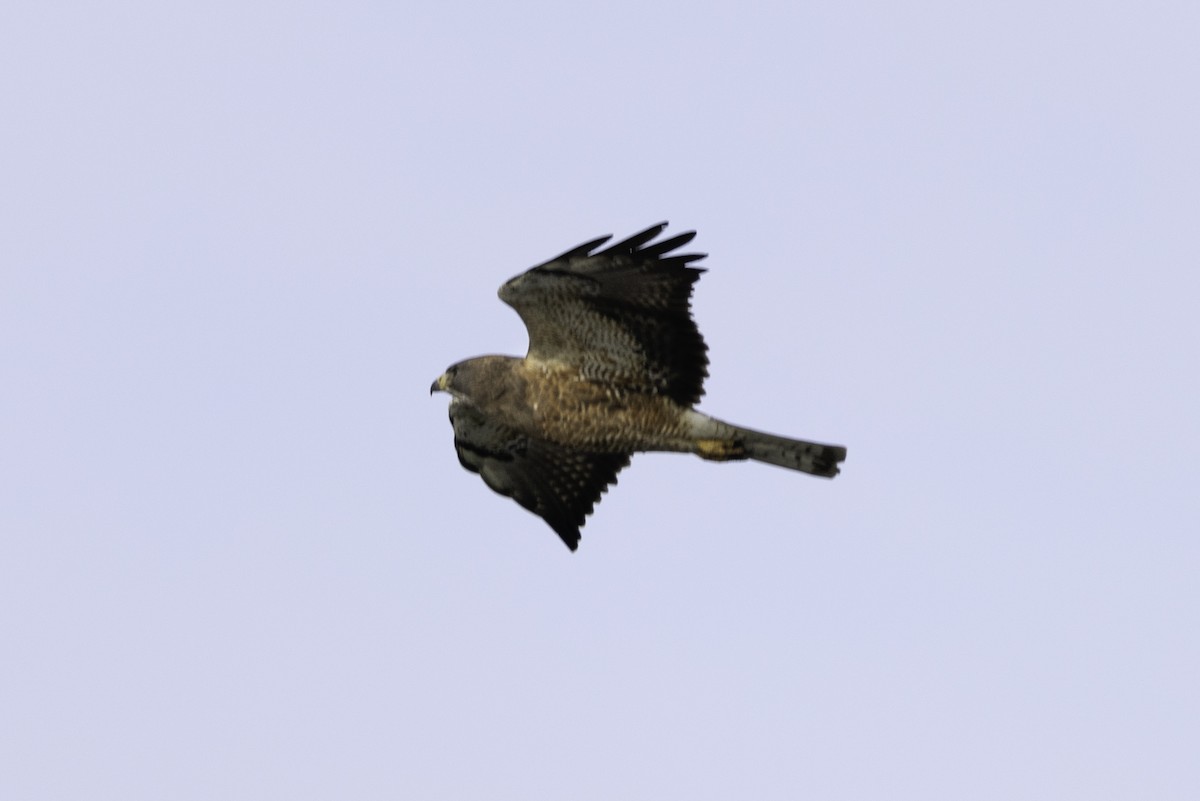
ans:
x=615 y=364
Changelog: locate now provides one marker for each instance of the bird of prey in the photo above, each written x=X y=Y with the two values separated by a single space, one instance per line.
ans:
x=615 y=364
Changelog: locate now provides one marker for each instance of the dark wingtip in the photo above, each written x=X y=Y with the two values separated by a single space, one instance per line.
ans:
x=637 y=240
x=578 y=252
x=567 y=532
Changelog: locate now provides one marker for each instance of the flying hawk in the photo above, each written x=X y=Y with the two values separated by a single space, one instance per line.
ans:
x=615 y=364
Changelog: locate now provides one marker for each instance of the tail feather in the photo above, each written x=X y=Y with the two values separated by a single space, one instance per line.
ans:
x=795 y=454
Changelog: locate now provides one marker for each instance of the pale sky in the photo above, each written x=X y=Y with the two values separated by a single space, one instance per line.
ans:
x=240 y=559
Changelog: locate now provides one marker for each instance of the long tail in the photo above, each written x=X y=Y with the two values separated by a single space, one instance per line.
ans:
x=734 y=442
x=794 y=454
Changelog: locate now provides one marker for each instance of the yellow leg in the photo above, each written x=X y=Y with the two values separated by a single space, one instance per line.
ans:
x=719 y=450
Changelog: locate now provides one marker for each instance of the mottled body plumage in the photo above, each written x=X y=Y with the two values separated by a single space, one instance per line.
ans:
x=615 y=364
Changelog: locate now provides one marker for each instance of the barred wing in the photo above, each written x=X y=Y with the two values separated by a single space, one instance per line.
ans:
x=622 y=315
x=558 y=484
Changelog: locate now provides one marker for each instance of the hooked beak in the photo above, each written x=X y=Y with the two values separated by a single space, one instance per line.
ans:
x=440 y=384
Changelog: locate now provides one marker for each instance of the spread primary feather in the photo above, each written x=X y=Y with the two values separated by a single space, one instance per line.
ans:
x=614 y=366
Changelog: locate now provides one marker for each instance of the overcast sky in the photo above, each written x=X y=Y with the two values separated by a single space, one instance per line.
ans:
x=239 y=559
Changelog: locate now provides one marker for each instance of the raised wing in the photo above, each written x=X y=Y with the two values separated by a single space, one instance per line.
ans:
x=560 y=485
x=622 y=314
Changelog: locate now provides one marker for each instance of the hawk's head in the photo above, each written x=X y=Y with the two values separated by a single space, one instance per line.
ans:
x=443 y=382
x=481 y=380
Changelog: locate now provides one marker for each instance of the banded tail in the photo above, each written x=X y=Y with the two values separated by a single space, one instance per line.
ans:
x=734 y=442
x=794 y=454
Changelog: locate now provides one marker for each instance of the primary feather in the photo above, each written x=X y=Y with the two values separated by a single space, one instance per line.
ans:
x=614 y=366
